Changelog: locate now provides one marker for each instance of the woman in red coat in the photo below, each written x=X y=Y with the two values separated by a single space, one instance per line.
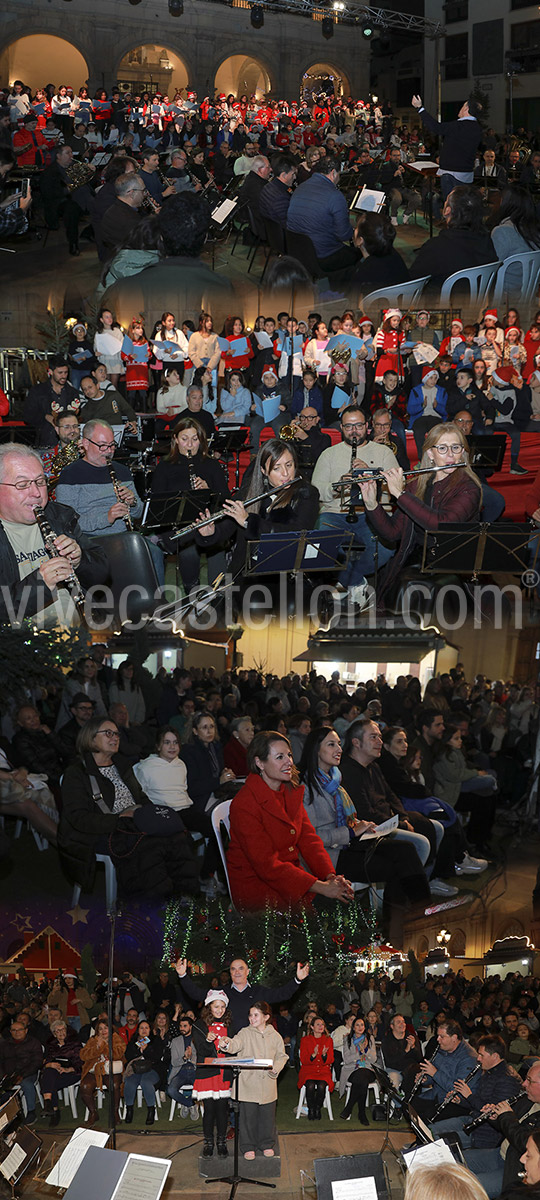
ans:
x=270 y=832
x=316 y=1058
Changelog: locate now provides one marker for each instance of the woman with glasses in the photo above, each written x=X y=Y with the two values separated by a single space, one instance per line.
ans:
x=450 y=491
x=103 y=812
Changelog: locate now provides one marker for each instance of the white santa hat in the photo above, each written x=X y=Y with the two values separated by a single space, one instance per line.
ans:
x=392 y=312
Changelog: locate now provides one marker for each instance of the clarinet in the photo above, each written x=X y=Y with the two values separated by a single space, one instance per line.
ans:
x=192 y=472
x=351 y=515
x=72 y=582
x=423 y=1076
x=486 y=1116
x=114 y=480
x=453 y=1095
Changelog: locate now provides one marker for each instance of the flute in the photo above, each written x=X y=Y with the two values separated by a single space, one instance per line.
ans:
x=221 y=513
x=377 y=473
x=422 y=1076
x=114 y=480
x=486 y=1116
x=72 y=582
x=449 y=1099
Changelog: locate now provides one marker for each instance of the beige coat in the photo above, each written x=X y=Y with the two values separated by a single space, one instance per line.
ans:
x=258 y=1087
x=59 y=999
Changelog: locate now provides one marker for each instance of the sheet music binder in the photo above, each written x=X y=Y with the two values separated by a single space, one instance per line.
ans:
x=98 y=1174
x=309 y=550
x=479 y=549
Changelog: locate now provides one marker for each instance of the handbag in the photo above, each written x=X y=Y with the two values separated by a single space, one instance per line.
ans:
x=158 y=819
x=139 y=1066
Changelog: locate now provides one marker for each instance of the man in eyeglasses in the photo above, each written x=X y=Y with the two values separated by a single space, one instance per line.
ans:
x=33 y=584
x=333 y=466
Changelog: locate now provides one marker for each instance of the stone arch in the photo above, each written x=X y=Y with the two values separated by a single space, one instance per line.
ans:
x=146 y=58
x=457 y=944
x=67 y=59
x=243 y=72
x=423 y=947
x=325 y=67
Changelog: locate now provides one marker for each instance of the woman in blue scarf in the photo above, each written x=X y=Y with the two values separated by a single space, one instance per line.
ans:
x=359 y=1053
x=333 y=816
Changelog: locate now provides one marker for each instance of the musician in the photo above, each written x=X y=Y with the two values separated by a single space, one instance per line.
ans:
x=453 y=1060
x=45 y=400
x=178 y=174
x=320 y=210
x=335 y=464
x=276 y=194
x=34 y=591
x=123 y=216
x=149 y=173
x=67 y=427
x=381 y=434
x=512 y=165
x=497 y=1082
x=109 y=405
x=309 y=439
x=196 y=411
x=530 y=173
x=445 y=494
x=391 y=181
x=58 y=202
x=515 y=1122
x=364 y=168
x=489 y=173
x=86 y=485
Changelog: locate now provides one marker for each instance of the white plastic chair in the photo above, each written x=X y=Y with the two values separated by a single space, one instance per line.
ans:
x=530 y=278
x=479 y=279
x=327 y=1103
x=110 y=883
x=187 y=1088
x=404 y=295
x=41 y=842
x=70 y=1098
x=372 y=1087
x=220 y=815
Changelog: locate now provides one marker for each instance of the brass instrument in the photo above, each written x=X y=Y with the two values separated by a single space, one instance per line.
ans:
x=453 y=1095
x=66 y=455
x=486 y=1116
x=340 y=354
x=79 y=173
x=221 y=513
x=72 y=583
x=114 y=480
x=287 y=433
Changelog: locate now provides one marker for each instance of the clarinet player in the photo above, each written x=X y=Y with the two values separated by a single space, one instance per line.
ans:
x=34 y=582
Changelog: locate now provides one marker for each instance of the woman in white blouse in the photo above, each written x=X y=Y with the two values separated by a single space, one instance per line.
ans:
x=163 y=775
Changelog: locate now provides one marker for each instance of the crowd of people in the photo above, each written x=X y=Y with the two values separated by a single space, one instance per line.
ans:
x=127 y=765
x=459 y=1051
x=123 y=160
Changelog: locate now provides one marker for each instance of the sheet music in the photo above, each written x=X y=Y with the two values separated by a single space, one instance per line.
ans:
x=71 y=1158
x=142 y=1178
x=222 y=211
x=263 y=340
x=14 y=1160
x=421 y=165
x=354 y=1189
x=370 y=200
x=428 y=1156
x=381 y=830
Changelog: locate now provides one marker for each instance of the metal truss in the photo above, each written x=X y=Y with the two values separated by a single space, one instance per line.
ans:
x=348 y=13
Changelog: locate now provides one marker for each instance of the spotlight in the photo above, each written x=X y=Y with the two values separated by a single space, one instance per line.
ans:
x=257 y=16
x=327 y=27
x=176 y=8
x=367 y=30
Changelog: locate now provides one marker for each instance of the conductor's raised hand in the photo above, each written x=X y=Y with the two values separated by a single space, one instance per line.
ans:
x=302 y=971
x=416 y=102
x=180 y=966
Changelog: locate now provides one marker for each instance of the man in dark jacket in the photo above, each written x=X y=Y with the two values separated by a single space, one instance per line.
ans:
x=275 y=196
x=240 y=993
x=38 y=410
x=251 y=191
x=21 y=1056
x=463 y=244
x=461 y=139
x=516 y=1123
x=35 y=747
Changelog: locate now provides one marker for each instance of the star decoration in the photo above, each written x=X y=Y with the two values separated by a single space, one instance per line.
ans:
x=21 y=922
x=78 y=914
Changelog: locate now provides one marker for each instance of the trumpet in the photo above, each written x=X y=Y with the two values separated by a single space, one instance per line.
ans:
x=486 y=1116
x=72 y=583
x=422 y=1076
x=449 y=1099
x=221 y=513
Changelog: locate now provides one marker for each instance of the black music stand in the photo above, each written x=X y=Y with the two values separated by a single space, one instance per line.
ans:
x=486 y=451
x=229 y=440
x=236 y=1178
x=390 y=1093
x=311 y=550
x=166 y=512
x=479 y=549
x=429 y=173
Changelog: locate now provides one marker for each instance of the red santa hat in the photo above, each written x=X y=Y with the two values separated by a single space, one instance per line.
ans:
x=269 y=371
x=503 y=376
x=491 y=314
x=457 y=321
x=512 y=329
x=427 y=370
x=364 y=321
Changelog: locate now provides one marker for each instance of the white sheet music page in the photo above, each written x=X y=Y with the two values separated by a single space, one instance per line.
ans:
x=354 y=1189
x=428 y=1156
x=71 y=1158
x=142 y=1178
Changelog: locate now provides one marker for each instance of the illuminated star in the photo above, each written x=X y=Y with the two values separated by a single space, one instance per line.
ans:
x=78 y=914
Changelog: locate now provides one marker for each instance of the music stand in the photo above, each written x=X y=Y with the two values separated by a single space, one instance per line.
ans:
x=486 y=451
x=229 y=440
x=429 y=172
x=18 y=433
x=236 y=1067
x=390 y=1093
x=22 y=1150
x=312 y=550
x=479 y=549
x=162 y=512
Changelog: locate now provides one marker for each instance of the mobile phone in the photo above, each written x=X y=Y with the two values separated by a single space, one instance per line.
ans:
x=25 y=187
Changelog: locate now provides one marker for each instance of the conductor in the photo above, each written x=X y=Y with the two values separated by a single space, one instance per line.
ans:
x=461 y=139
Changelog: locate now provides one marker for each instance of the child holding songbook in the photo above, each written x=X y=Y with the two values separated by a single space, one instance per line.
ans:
x=212 y=1085
x=257 y=1090
x=135 y=356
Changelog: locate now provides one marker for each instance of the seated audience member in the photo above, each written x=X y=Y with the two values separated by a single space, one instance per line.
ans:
x=266 y=814
x=465 y=788
x=380 y=264
x=242 y=732
x=516 y=231
x=21 y=1057
x=61 y=1067
x=161 y=863
x=96 y=1069
x=133 y=742
x=358 y=1055
x=81 y=709
x=463 y=243
x=82 y=680
x=163 y=775
x=316 y=1058
x=402 y=1053
x=146 y=1063
x=35 y=747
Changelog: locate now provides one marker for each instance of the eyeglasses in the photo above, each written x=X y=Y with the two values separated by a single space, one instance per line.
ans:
x=102 y=445
x=111 y=733
x=456 y=449
x=350 y=428
x=22 y=485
